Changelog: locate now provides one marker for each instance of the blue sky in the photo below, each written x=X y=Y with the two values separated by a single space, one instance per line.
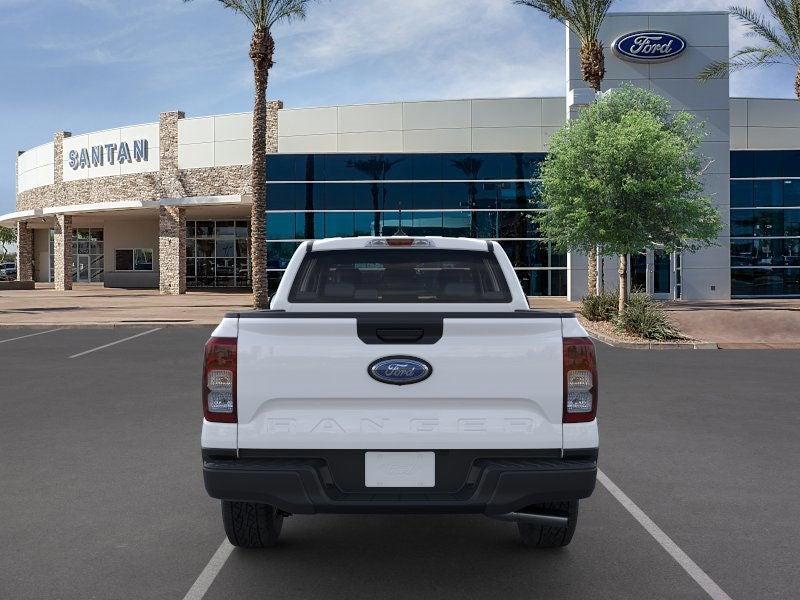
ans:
x=84 y=65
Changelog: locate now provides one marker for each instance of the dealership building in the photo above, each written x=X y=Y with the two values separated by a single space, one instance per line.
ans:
x=166 y=204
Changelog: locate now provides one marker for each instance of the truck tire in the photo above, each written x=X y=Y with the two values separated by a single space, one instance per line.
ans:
x=251 y=525
x=543 y=536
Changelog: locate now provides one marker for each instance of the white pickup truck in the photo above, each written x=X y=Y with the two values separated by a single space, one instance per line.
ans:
x=400 y=375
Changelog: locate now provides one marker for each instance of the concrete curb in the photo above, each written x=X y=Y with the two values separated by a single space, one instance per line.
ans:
x=652 y=345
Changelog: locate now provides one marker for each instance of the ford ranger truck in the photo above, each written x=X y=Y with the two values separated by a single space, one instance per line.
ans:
x=399 y=375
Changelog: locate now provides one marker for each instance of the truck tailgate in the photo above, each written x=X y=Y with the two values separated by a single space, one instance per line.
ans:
x=303 y=383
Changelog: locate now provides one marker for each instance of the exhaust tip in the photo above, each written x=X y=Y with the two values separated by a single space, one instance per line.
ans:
x=535 y=519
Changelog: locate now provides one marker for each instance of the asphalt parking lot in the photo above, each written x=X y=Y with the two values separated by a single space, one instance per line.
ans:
x=101 y=493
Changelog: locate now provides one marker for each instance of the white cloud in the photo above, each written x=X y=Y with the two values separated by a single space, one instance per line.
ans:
x=451 y=48
x=420 y=48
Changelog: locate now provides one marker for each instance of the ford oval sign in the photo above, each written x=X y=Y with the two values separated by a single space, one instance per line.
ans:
x=400 y=370
x=649 y=46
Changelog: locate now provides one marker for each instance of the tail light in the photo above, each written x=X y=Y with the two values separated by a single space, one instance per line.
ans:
x=580 y=381
x=219 y=380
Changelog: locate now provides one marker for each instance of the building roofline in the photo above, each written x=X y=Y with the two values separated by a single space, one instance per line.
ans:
x=418 y=101
x=667 y=13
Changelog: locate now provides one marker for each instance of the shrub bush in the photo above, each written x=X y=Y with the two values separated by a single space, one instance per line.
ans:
x=602 y=307
x=645 y=317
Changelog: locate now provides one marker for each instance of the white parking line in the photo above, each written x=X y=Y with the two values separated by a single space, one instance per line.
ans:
x=695 y=572
x=22 y=337
x=209 y=574
x=214 y=566
x=115 y=343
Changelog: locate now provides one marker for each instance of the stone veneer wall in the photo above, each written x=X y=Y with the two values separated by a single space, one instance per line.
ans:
x=217 y=181
x=169 y=182
x=62 y=250
x=172 y=250
x=24 y=252
x=169 y=177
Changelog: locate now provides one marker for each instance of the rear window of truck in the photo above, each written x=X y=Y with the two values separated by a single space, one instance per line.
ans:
x=398 y=275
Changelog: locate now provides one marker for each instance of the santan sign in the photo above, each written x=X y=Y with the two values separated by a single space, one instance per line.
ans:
x=97 y=156
x=649 y=46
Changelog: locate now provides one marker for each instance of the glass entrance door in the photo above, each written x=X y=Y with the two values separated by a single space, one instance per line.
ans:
x=638 y=268
x=83 y=269
x=651 y=272
x=87 y=255
x=662 y=272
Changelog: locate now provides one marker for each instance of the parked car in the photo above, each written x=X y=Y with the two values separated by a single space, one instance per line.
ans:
x=8 y=271
x=400 y=375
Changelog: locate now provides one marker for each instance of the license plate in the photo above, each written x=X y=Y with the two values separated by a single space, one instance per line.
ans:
x=400 y=469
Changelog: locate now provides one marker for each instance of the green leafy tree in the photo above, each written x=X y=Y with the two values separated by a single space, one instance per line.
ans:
x=7 y=237
x=626 y=175
x=584 y=19
x=778 y=40
x=263 y=15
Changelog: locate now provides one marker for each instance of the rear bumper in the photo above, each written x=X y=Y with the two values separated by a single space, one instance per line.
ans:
x=480 y=481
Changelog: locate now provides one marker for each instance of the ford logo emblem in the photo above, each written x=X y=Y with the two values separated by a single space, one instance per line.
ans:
x=649 y=46
x=400 y=370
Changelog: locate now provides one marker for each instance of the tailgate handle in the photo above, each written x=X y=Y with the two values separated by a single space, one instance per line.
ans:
x=400 y=335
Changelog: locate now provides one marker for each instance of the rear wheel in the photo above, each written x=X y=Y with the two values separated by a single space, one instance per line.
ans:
x=251 y=525
x=544 y=536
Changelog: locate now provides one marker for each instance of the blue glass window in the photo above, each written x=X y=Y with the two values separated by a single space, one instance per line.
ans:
x=280 y=253
x=282 y=196
x=339 y=196
x=768 y=163
x=381 y=167
x=791 y=222
x=791 y=192
x=457 y=224
x=396 y=196
x=768 y=193
x=791 y=163
x=742 y=194
x=280 y=226
x=765 y=253
x=424 y=223
x=528 y=165
x=309 y=225
x=471 y=166
x=426 y=166
x=365 y=224
x=455 y=195
x=765 y=282
x=487 y=224
x=557 y=259
x=281 y=167
x=539 y=254
x=427 y=195
x=742 y=164
x=339 y=224
x=558 y=282
x=478 y=203
x=390 y=222
x=367 y=196
x=535 y=283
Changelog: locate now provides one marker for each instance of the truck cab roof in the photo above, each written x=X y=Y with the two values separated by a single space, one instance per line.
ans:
x=444 y=243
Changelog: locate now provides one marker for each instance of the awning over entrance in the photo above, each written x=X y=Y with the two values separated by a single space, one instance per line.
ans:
x=11 y=219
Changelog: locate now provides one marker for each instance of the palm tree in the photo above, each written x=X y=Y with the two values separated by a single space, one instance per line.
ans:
x=263 y=15
x=779 y=37
x=584 y=19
